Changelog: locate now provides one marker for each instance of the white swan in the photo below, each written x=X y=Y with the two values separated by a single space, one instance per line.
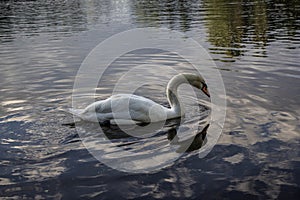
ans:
x=128 y=108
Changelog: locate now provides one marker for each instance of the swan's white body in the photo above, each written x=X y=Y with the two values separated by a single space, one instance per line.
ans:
x=129 y=107
x=125 y=107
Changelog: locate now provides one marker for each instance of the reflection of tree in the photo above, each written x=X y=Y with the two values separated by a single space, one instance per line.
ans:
x=225 y=24
x=231 y=25
x=284 y=16
x=260 y=22
x=175 y=14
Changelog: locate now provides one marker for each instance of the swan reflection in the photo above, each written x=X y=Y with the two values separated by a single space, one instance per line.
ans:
x=172 y=132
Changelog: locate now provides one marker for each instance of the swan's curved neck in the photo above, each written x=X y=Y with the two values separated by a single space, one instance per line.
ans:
x=176 y=108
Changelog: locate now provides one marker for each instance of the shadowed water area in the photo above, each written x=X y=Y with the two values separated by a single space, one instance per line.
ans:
x=254 y=44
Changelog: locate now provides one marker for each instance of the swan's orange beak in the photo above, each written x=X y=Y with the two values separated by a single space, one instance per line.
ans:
x=205 y=91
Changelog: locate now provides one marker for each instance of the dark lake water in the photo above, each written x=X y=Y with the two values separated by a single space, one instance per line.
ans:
x=254 y=44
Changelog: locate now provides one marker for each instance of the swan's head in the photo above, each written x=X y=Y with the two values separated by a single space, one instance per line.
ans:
x=198 y=82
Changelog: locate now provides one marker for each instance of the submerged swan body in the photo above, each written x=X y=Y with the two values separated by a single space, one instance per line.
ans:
x=129 y=107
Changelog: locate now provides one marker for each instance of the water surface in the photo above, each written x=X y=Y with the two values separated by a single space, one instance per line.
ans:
x=255 y=45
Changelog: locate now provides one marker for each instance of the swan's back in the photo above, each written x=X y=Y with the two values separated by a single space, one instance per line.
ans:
x=125 y=106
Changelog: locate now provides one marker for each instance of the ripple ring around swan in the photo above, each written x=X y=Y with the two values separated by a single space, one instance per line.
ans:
x=100 y=58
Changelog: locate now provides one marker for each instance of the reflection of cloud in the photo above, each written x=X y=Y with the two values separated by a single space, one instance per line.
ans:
x=43 y=170
x=256 y=123
x=36 y=165
x=6 y=181
x=237 y=158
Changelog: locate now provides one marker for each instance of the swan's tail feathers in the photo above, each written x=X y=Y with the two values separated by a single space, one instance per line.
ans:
x=76 y=112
